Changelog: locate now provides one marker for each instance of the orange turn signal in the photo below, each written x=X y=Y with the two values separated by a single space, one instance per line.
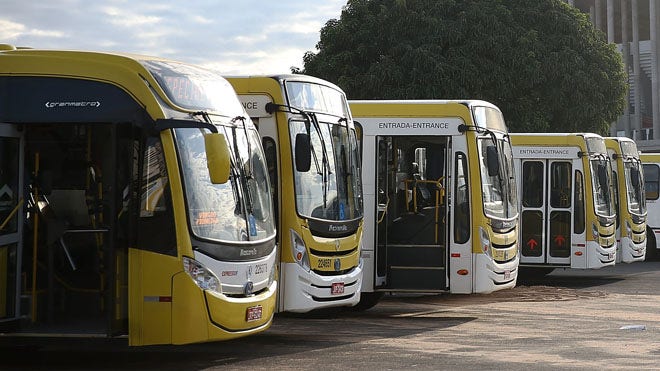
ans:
x=462 y=272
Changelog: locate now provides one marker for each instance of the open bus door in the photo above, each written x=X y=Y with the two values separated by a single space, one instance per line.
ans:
x=11 y=224
x=411 y=237
x=63 y=268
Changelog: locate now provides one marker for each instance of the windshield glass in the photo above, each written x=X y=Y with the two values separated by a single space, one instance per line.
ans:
x=634 y=186
x=238 y=210
x=507 y=161
x=316 y=98
x=331 y=188
x=498 y=189
x=601 y=175
x=195 y=88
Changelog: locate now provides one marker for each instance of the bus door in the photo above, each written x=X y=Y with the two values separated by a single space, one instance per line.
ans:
x=11 y=224
x=546 y=211
x=411 y=235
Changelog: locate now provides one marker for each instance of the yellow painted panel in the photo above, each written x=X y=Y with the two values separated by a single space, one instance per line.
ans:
x=229 y=314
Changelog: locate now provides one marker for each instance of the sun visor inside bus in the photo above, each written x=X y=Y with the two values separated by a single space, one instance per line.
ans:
x=52 y=99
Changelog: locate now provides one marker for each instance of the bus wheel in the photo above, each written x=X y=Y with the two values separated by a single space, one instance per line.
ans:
x=368 y=300
x=533 y=273
x=651 y=249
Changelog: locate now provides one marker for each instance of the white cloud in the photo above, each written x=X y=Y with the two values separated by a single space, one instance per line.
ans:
x=10 y=30
x=125 y=18
x=240 y=37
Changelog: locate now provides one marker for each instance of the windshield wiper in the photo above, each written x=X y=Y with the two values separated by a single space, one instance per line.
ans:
x=324 y=159
x=309 y=117
x=238 y=161
x=247 y=140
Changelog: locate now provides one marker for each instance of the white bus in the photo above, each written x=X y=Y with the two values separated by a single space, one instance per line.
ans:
x=567 y=211
x=629 y=199
x=440 y=198
x=651 y=174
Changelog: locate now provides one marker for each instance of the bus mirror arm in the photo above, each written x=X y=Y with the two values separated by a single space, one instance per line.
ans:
x=164 y=124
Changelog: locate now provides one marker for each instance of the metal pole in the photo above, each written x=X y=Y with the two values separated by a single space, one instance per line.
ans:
x=653 y=30
x=35 y=240
x=625 y=50
x=637 y=81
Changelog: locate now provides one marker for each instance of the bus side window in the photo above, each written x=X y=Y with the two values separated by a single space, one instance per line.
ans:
x=615 y=196
x=578 y=215
x=270 y=151
x=652 y=181
x=533 y=184
x=156 y=231
x=462 y=197
x=560 y=190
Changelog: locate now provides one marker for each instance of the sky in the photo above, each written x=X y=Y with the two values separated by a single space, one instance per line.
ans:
x=234 y=37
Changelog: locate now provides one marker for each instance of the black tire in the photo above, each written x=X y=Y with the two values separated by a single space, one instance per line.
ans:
x=368 y=300
x=651 y=250
x=533 y=273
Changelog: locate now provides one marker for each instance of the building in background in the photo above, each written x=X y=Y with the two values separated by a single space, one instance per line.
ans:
x=633 y=26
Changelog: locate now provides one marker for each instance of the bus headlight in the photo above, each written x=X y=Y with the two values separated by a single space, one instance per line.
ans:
x=485 y=241
x=299 y=250
x=203 y=277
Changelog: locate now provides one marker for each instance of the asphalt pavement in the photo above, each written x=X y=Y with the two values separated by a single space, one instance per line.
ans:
x=571 y=319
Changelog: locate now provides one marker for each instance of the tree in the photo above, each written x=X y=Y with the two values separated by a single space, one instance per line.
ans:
x=542 y=62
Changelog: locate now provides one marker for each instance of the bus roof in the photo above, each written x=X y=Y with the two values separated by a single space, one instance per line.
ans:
x=123 y=70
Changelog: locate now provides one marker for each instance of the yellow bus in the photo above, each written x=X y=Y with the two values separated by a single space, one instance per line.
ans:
x=629 y=199
x=134 y=201
x=567 y=212
x=441 y=213
x=651 y=174
x=311 y=149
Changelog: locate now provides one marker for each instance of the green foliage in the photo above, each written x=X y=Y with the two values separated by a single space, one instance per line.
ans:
x=540 y=61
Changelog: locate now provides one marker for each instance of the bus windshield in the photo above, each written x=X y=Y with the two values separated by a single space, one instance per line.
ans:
x=316 y=98
x=195 y=88
x=330 y=189
x=238 y=210
x=634 y=187
x=603 y=200
x=499 y=197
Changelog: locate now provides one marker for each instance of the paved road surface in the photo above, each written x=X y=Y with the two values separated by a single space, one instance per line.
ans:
x=603 y=319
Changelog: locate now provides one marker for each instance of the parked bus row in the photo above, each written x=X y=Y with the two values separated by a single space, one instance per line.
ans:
x=161 y=201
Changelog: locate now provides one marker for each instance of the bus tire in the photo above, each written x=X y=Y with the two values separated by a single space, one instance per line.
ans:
x=534 y=273
x=368 y=300
x=651 y=247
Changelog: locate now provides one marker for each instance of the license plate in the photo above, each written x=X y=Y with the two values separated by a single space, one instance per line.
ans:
x=253 y=313
x=610 y=255
x=337 y=288
x=507 y=275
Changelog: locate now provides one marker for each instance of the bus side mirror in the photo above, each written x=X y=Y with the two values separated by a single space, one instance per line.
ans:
x=303 y=153
x=602 y=176
x=492 y=161
x=218 y=158
x=634 y=177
